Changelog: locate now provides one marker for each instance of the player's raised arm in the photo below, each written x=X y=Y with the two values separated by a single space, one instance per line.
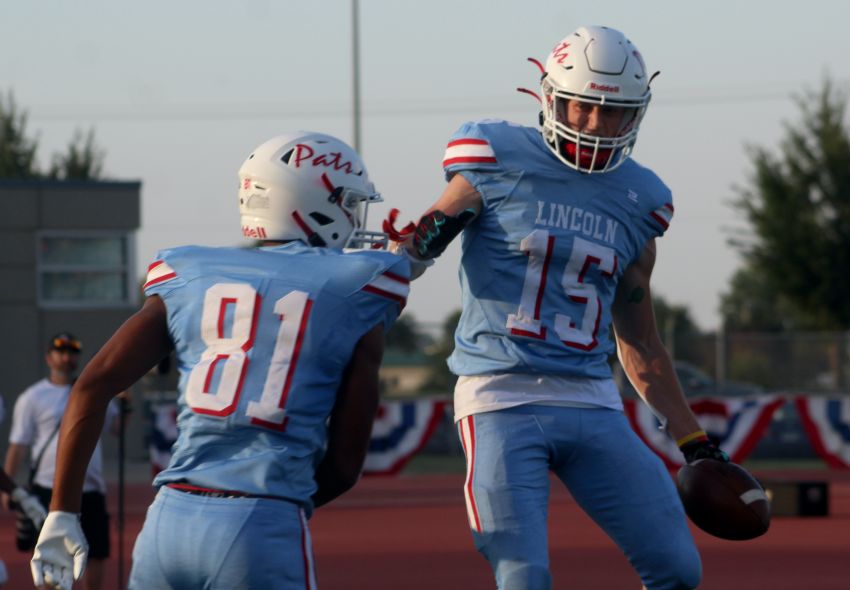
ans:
x=459 y=204
x=351 y=420
x=137 y=345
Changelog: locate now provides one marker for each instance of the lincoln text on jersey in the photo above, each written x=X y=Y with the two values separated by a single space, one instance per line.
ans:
x=594 y=225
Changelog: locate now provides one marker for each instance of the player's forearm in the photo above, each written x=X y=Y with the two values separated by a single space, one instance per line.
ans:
x=350 y=425
x=650 y=371
x=331 y=484
x=14 y=458
x=348 y=442
x=7 y=484
x=81 y=427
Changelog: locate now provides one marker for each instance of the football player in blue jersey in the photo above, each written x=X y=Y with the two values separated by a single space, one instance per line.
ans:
x=558 y=243
x=278 y=349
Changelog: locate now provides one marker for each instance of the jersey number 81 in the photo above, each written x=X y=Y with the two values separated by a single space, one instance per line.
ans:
x=242 y=303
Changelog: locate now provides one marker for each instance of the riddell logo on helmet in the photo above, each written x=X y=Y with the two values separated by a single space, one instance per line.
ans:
x=304 y=154
x=254 y=232
x=604 y=87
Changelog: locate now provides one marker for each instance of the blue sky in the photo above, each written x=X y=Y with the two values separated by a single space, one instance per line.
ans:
x=180 y=92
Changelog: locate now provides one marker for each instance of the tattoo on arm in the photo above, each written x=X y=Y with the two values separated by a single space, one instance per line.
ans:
x=636 y=295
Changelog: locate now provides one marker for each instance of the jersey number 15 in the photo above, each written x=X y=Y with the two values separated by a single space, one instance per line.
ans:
x=539 y=245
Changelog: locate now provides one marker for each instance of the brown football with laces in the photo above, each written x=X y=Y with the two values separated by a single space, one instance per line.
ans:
x=724 y=500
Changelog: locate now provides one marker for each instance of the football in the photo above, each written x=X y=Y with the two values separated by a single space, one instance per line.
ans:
x=724 y=500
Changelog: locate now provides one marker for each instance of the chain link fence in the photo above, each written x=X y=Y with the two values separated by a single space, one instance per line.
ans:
x=796 y=362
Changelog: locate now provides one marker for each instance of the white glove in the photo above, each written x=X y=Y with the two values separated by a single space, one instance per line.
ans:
x=61 y=551
x=30 y=505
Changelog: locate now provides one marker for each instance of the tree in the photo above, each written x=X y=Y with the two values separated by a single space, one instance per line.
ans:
x=405 y=335
x=440 y=378
x=798 y=205
x=82 y=161
x=752 y=305
x=17 y=151
x=677 y=329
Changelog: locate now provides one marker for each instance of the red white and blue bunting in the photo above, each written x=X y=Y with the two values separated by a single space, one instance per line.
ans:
x=826 y=421
x=736 y=424
x=402 y=428
x=400 y=431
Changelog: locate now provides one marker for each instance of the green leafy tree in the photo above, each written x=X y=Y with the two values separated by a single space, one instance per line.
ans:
x=83 y=160
x=440 y=378
x=405 y=335
x=17 y=151
x=677 y=328
x=797 y=203
x=753 y=305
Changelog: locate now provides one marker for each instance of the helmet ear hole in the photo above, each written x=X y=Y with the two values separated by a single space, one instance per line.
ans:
x=321 y=218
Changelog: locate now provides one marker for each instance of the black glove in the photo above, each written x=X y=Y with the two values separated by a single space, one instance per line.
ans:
x=435 y=230
x=703 y=449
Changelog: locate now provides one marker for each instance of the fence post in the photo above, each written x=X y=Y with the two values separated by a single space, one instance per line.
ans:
x=720 y=354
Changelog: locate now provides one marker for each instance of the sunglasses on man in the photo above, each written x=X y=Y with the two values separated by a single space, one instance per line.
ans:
x=66 y=344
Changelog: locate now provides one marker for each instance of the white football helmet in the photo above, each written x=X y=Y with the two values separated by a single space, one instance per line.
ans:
x=600 y=66
x=310 y=187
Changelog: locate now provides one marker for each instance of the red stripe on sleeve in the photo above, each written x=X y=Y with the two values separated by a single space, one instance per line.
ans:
x=470 y=160
x=467 y=142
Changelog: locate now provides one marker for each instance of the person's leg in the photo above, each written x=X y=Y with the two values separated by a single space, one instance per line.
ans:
x=507 y=495
x=190 y=541
x=94 y=520
x=628 y=491
x=146 y=570
x=93 y=576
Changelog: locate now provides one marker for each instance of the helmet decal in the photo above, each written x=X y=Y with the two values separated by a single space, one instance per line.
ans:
x=310 y=187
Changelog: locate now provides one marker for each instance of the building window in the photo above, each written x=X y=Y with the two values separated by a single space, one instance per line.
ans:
x=85 y=269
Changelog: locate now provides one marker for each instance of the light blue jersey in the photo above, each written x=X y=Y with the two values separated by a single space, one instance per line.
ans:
x=541 y=262
x=262 y=337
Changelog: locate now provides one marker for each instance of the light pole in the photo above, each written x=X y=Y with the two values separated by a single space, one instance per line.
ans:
x=355 y=72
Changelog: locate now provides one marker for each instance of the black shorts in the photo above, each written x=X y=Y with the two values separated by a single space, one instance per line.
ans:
x=94 y=519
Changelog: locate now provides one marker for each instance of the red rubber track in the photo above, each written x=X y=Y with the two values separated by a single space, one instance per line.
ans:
x=411 y=533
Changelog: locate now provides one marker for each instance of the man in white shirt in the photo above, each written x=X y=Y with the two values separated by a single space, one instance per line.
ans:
x=27 y=502
x=38 y=412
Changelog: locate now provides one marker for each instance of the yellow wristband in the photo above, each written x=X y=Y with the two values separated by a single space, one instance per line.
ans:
x=692 y=436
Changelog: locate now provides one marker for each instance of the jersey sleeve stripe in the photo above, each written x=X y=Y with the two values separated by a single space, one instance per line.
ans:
x=468 y=160
x=663 y=215
x=159 y=272
x=468 y=141
x=398 y=278
x=391 y=286
x=469 y=151
x=402 y=301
